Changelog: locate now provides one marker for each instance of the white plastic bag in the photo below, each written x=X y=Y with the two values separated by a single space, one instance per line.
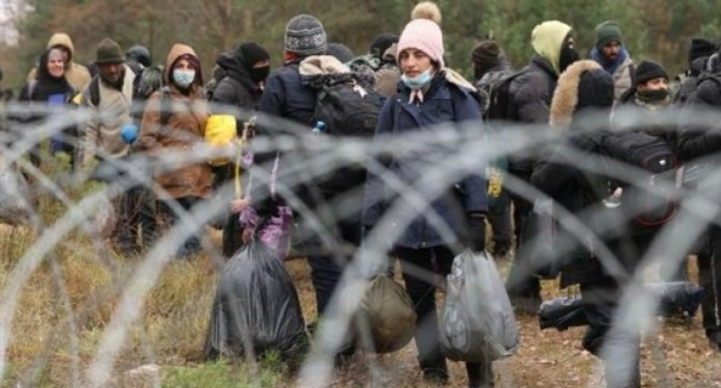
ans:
x=478 y=323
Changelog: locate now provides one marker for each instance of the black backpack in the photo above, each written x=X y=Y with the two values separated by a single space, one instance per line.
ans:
x=653 y=202
x=147 y=82
x=346 y=108
x=496 y=99
x=489 y=87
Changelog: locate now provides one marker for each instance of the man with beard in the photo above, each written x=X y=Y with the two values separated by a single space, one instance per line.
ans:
x=107 y=99
x=611 y=54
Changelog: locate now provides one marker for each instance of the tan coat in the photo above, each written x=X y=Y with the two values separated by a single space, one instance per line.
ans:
x=77 y=75
x=184 y=131
x=101 y=133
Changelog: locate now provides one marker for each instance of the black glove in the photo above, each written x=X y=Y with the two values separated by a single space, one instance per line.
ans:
x=477 y=232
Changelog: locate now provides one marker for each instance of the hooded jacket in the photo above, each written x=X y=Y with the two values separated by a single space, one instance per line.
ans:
x=184 y=130
x=533 y=89
x=235 y=88
x=77 y=75
x=101 y=134
x=584 y=84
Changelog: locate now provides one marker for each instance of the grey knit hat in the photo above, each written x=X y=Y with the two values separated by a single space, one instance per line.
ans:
x=304 y=35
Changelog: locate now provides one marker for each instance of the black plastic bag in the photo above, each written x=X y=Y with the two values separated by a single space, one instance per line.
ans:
x=386 y=313
x=677 y=299
x=256 y=309
x=477 y=323
x=562 y=313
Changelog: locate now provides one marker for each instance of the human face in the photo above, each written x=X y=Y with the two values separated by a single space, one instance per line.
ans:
x=414 y=62
x=659 y=83
x=611 y=51
x=110 y=72
x=183 y=64
x=56 y=63
x=65 y=51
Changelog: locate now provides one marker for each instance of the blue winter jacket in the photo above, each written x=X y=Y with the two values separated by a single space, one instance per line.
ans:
x=443 y=103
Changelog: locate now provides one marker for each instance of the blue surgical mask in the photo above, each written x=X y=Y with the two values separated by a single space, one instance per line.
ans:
x=418 y=81
x=183 y=78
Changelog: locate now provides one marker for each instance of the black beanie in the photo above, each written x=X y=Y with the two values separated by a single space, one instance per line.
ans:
x=700 y=47
x=486 y=54
x=649 y=70
x=253 y=53
x=340 y=51
x=381 y=43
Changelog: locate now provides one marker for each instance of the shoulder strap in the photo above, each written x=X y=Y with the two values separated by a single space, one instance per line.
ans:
x=166 y=109
x=94 y=89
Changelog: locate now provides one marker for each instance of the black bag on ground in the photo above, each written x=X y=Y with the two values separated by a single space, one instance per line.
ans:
x=386 y=319
x=256 y=309
x=562 y=314
x=677 y=299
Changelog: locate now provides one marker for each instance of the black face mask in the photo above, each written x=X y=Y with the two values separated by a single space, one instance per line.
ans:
x=653 y=96
x=259 y=74
x=568 y=56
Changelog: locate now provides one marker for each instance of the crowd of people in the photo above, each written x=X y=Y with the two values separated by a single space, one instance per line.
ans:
x=589 y=100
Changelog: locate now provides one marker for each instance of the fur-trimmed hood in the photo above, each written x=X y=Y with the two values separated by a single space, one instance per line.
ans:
x=596 y=91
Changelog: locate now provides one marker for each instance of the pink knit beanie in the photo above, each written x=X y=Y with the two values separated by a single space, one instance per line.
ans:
x=424 y=35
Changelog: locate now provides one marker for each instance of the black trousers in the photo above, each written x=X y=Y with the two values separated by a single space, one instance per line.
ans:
x=137 y=225
x=502 y=226
x=522 y=281
x=600 y=303
x=190 y=246
x=419 y=274
x=709 y=274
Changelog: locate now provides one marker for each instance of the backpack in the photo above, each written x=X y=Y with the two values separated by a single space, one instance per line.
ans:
x=652 y=202
x=346 y=108
x=486 y=86
x=496 y=100
x=150 y=80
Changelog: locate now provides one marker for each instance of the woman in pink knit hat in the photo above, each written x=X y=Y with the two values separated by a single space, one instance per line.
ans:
x=429 y=96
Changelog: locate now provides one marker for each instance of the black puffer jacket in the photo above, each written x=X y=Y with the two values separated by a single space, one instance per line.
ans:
x=531 y=94
x=695 y=142
x=689 y=84
x=533 y=90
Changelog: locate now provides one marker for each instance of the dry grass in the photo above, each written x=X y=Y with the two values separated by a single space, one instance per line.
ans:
x=172 y=331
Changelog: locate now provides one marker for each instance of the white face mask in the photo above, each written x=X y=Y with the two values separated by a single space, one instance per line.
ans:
x=418 y=81
x=183 y=78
